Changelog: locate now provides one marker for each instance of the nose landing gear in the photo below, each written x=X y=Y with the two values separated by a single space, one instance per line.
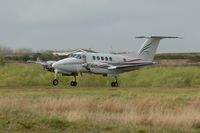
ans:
x=55 y=81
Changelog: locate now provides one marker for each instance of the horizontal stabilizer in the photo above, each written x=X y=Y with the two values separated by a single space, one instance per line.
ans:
x=159 y=37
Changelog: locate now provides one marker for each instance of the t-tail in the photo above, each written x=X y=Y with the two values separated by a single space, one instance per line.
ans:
x=149 y=47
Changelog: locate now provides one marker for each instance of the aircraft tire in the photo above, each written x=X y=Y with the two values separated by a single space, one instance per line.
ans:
x=55 y=82
x=73 y=83
x=114 y=84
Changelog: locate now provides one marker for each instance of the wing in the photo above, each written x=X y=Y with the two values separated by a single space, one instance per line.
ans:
x=38 y=62
x=130 y=66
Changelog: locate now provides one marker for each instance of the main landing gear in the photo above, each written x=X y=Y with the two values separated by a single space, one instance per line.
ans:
x=115 y=83
x=74 y=83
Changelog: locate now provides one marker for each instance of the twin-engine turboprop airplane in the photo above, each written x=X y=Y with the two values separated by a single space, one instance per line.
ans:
x=107 y=64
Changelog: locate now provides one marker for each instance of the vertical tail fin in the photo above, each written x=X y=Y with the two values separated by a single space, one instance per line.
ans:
x=149 y=47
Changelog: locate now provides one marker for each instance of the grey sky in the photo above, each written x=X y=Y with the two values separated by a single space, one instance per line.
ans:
x=99 y=24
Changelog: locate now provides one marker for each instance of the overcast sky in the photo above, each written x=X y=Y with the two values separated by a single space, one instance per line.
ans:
x=103 y=25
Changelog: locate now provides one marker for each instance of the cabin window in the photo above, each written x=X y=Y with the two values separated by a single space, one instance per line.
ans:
x=124 y=60
x=98 y=58
x=102 y=58
x=110 y=58
x=94 y=58
x=106 y=58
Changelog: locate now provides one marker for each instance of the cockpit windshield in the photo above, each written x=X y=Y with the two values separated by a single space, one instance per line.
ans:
x=77 y=56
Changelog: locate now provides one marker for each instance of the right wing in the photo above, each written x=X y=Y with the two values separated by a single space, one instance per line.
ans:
x=130 y=66
x=119 y=66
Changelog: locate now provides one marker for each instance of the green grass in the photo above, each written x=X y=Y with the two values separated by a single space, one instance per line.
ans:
x=195 y=57
x=20 y=75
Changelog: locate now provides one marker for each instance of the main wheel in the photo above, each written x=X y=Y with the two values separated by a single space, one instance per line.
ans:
x=73 y=83
x=114 y=84
x=55 y=82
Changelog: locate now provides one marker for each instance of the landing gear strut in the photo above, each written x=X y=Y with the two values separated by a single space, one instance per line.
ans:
x=74 y=83
x=115 y=83
x=55 y=81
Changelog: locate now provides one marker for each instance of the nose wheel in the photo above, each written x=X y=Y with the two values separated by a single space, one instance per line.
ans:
x=55 y=82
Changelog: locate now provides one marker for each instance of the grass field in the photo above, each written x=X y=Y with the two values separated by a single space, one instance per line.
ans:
x=26 y=75
x=157 y=99
x=47 y=109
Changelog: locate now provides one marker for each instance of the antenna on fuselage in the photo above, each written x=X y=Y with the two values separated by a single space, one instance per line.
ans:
x=111 y=49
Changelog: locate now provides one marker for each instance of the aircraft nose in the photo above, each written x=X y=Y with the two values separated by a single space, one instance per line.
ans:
x=54 y=65
x=61 y=64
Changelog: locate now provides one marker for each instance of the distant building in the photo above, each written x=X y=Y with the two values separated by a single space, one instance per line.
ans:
x=65 y=53
x=119 y=52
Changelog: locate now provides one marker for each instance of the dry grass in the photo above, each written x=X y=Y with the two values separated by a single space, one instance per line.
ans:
x=158 y=111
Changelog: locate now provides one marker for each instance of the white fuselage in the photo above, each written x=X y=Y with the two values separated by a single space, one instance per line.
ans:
x=97 y=63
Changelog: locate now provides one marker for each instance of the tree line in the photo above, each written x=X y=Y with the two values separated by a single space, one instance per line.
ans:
x=25 y=54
